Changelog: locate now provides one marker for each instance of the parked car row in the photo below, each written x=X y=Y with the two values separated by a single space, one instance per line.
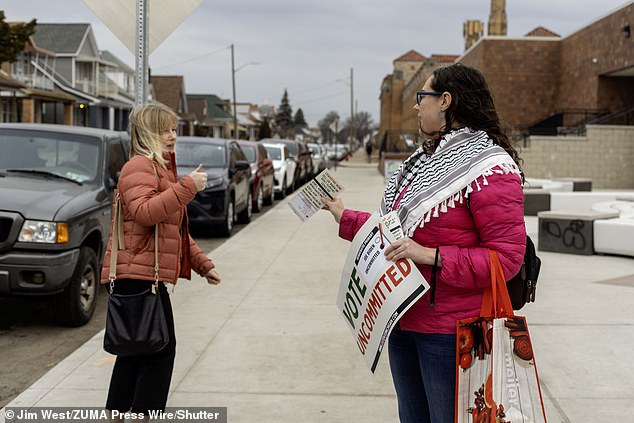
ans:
x=57 y=183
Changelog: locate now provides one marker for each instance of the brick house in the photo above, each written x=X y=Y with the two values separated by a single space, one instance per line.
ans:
x=212 y=116
x=170 y=90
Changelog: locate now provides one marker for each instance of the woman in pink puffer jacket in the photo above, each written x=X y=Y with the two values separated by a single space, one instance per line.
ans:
x=457 y=197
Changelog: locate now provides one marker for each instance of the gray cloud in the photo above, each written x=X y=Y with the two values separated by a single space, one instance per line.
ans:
x=307 y=47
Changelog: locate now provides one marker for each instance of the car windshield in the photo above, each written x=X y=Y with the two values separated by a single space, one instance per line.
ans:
x=249 y=151
x=193 y=154
x=275 y=153
x=292 y=148
x=68 y=156
x=314 y=149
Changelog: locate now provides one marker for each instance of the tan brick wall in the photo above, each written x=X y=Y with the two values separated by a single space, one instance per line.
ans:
x=522 y=76
x=605 y=155
x=604 y=42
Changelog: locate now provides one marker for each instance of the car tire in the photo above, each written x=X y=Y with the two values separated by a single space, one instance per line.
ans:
x=282 y=193
x=270 y=200
x=227 y=226
x=259 y=200
x=76 y=304
x=245 y=215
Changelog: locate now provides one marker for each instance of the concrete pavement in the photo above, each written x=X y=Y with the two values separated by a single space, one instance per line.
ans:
x=269 y=344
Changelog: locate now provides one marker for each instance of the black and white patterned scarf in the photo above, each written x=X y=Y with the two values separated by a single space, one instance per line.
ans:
x=435 y=182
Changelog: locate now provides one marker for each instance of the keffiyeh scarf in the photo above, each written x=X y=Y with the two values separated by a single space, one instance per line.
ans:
x=435 y=182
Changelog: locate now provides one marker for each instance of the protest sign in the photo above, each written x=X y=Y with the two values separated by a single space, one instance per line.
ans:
x=374 y=292
x=307 y=200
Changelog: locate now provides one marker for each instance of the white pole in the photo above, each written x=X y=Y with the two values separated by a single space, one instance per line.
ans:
x=141 y=59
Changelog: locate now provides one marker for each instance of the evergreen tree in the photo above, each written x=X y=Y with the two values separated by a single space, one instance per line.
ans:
x=265 y=129
x=299 y=119
x=284 y=118
x=13 y=37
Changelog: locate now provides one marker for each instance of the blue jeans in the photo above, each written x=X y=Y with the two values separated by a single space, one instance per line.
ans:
x=424 y=373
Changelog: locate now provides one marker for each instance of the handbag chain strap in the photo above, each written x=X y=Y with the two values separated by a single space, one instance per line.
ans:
x=118 y=242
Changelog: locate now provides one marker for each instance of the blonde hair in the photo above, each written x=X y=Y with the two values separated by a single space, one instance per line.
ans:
x=147 y=123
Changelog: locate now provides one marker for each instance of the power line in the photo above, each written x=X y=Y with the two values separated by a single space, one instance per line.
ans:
x=321 y=98
x=191 y=59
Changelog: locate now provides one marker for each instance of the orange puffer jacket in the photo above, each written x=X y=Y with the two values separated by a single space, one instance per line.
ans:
x=148 y=200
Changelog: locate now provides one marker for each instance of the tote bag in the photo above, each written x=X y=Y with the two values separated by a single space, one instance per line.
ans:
x=496 y=375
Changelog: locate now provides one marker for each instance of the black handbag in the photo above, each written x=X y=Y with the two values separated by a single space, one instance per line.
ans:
x=135 y=324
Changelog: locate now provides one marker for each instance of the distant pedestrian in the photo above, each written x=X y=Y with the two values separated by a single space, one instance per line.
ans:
x=151 y=194
x=368 y=150
x=466 y=155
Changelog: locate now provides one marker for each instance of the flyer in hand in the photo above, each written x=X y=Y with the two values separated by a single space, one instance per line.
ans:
x=374 y=292
x=307 y=201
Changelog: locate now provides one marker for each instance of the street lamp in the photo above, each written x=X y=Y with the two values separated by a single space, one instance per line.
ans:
x=233 y=82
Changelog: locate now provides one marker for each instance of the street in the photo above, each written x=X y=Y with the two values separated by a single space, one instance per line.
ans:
x=31 y=344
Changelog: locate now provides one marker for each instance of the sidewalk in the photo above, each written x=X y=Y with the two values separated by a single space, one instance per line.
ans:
x=269 y=344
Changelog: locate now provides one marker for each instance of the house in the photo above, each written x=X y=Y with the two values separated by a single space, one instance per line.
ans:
x=170 y=90
x=28 y=94
x=213 y=118
x=79 y=70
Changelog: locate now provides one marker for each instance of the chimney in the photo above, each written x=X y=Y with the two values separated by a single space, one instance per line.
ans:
x=472 y=31
x=497 y=18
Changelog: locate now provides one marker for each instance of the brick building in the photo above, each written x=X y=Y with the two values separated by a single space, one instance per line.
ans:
x=541 y=83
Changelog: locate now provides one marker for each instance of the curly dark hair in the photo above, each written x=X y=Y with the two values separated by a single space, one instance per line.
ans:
x=471 y=104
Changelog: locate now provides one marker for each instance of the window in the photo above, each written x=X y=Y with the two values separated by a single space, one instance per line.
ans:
x=116 y=158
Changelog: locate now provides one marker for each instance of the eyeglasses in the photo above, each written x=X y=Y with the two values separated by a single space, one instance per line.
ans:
x=421 y=94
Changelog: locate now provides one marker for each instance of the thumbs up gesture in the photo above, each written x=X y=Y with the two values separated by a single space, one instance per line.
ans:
x=200 y=178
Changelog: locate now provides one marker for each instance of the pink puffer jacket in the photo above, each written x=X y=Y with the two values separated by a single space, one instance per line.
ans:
x=494 y=220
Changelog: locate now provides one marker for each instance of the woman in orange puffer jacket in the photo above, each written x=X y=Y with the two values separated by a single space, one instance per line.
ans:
x=151 y=194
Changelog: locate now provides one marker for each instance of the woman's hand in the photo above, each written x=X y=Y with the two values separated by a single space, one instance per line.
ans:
x=200 y=178
x=408 y=248
x=334 y=206
x=213 y=277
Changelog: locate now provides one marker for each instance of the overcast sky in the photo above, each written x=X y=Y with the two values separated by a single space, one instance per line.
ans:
x=309 y=47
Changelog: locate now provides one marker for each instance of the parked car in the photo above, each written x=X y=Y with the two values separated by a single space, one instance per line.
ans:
x=284 y=167
x=227 y=196
x=301 y=154
x=56 y=186
x=319 y=155
x=262 y=174
x=337 y=152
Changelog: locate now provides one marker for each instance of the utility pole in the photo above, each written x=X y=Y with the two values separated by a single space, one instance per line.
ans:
x=141 y=50
x=351 y=108
x=233 y=83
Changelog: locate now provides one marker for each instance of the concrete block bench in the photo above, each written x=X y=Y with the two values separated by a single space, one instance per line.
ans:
x=578 y=184
x=582 y=201
x=614 y=236
x=536 y=200
x=569 y=232
x=625 y=209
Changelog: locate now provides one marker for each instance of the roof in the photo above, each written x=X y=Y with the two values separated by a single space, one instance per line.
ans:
x=6 y=81
x=540 y=31
x=445 y=58
x=168 y=89
x=61 y=38
x=411 y=56
x=213 y=103
x=109 y=57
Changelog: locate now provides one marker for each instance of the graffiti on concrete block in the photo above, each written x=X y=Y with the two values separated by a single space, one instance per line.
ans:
x=571 y=235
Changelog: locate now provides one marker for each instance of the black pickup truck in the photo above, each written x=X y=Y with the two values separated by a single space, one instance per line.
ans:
x=56 y=187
